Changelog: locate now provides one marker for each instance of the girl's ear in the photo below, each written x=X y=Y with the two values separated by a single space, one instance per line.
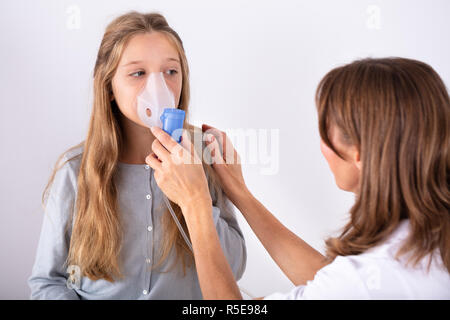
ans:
x=111 y=91
x=357 y=159
x=354 y=157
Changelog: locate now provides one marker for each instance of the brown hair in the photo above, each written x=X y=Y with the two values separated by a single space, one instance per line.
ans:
x=96 y=237
x=397 y=113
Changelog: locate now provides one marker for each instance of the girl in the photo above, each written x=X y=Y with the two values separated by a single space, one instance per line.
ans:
x=106 y=223
x=385 y=132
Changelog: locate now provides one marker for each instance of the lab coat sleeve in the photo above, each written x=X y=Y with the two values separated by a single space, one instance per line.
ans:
x=339 y=280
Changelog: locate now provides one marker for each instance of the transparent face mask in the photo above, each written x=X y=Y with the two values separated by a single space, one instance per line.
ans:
x=153 y=99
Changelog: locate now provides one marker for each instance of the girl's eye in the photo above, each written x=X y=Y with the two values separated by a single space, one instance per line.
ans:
x=137 y=74
x=171 y=72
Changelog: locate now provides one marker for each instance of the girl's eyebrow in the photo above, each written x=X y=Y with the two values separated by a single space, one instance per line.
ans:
x=131 y=62
x=173 y=59
x=139 y=61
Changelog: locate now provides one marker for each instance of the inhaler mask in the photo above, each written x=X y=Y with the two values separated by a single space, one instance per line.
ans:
x=156 y=107
x=153 y=99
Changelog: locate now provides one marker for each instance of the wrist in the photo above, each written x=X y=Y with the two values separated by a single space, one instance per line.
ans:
x=198 y=214
x=240 y=196
x=200 y=202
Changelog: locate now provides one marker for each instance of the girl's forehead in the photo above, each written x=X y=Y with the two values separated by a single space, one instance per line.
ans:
x=149 y=46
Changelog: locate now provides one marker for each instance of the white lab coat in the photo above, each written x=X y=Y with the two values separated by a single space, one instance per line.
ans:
x=376 y=274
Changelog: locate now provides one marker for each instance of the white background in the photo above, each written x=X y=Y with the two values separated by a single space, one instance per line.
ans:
x=254 y=64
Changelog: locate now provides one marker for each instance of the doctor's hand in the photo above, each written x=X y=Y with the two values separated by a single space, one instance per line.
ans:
x=178 y=170
x=226 y=163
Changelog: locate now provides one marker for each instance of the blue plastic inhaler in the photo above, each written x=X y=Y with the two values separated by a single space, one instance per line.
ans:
x=172 y=122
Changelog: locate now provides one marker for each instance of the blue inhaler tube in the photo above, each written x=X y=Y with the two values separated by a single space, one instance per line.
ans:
x=172 y=122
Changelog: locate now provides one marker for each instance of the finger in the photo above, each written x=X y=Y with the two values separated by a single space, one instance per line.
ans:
x=229 y=154
x=209 y=138
x=209 y=129
x=219 y=135
x=165 y=139
x=214 y=150
x=160 y=151
x=153 y=162
x=206 y=127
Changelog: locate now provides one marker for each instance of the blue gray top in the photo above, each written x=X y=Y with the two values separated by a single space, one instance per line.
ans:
x=141 y=207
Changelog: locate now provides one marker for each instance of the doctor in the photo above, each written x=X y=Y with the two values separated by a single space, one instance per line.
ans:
x=385 y=133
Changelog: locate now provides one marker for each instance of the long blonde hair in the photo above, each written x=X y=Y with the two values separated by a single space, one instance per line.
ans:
x=97 y=233
x=396 y=111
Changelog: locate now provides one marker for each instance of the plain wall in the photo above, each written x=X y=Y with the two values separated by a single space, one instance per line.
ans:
x=254 y=64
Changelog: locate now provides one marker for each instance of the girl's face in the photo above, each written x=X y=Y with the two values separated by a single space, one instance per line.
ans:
x=346 y=172
x=144 y=54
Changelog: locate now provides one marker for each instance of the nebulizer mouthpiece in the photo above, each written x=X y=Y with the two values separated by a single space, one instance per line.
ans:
x=156 y=107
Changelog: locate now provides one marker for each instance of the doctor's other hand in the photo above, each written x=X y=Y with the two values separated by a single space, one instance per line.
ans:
x=226 y=163
x=178 y=170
